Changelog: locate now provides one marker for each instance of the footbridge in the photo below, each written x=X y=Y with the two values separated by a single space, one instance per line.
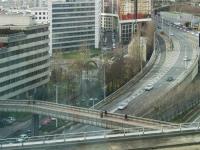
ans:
x=81 y=115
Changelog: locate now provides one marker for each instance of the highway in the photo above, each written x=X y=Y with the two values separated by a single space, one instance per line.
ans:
x=141 y=102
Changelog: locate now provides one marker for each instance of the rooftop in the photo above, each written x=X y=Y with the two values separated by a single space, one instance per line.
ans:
x=16 y=20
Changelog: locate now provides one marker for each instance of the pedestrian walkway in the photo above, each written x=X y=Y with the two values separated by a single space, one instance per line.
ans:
x=82 y=115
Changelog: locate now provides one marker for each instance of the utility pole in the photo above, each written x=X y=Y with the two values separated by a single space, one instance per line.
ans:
x=162 y=23
x=56 y=103
x=104 y=77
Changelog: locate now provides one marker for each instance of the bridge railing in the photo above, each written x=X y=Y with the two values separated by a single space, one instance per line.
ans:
x=98 y=135
x=93 y=115
x=112 y=115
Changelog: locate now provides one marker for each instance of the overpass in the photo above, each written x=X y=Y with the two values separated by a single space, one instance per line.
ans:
x=81 y=115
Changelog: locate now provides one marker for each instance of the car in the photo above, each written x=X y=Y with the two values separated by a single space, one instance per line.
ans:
x=22 y=138
x=186 y=58
x=123 y=105
x=169 y=79
x=171 y=34
x=28 y=132
x=149 y=87
x=13 y=119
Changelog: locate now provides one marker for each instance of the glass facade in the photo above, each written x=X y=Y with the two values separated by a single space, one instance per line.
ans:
x=73 y=23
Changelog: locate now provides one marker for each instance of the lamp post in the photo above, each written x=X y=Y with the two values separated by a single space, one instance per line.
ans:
x=93 y=99
x=104 y=77
x=162 y=23
x=56 y=103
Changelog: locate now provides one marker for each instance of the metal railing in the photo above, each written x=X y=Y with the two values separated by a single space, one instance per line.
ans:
x=102 y=136
x=82 y=115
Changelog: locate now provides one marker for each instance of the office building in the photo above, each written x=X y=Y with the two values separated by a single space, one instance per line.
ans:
x=24 y=56
x=74 y=23
x=109 y=15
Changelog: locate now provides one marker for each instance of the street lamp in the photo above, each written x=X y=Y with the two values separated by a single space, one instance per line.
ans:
x=93 y=99
x=56 y=103
x=162 y=23
x=104 y=77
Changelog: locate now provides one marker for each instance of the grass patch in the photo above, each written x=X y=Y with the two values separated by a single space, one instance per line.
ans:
x=77 y=54
x=72 y=55
x=186 y=115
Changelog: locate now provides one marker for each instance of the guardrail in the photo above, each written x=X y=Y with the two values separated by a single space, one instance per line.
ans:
x=82 y=115
x=102 y=135
x=130 y=83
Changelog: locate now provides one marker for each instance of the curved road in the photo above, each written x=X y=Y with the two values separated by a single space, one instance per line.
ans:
x=173 y=66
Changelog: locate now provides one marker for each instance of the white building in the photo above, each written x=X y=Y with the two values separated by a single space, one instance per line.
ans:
x=74 y=23
x=41 y=14
x=24 y=56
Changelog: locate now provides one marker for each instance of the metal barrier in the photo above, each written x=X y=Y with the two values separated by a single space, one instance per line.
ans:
x=82 y=115
x=85 y=137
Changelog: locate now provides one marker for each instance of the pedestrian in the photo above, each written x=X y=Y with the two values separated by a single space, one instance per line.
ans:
x=126 y=116
x=101 y=114
x=106 y=112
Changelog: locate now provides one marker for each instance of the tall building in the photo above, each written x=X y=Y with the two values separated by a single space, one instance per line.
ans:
x=24 y=56
x=74 y=23
x=131 y=13
x=109 y=15
x=39 y=3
